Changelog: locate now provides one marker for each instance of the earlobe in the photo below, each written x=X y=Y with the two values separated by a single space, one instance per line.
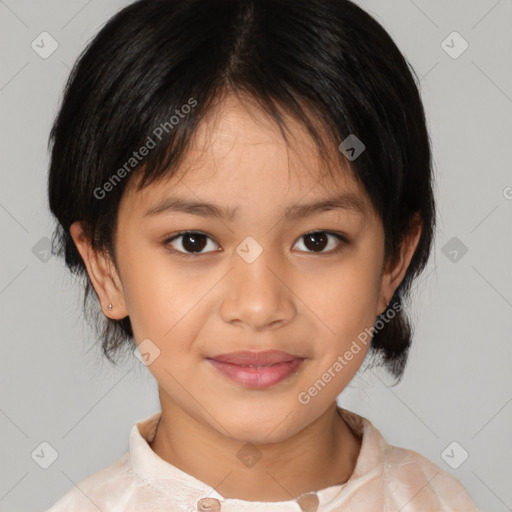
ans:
x=102 y=274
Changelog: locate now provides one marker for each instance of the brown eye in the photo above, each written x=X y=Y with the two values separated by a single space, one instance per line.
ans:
x=192 y=242
x=318 y=241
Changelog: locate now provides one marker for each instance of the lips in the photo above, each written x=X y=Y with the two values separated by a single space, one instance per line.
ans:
x=257 y=370
x=249 y=358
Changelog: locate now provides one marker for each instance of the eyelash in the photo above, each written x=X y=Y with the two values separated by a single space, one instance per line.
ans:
x=341 y=238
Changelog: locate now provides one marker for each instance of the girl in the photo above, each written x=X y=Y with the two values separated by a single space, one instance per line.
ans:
x=246 y=186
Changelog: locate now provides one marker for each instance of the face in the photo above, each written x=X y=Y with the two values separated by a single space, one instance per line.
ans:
x=256 y=271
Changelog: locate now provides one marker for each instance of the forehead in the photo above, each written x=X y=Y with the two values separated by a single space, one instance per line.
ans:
x=238 y=156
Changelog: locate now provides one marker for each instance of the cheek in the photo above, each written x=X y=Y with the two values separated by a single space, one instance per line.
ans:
x=345 y=298
x=344 y=301
x=160 y=299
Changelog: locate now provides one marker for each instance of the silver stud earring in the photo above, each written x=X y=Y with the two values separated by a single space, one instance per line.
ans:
x=110 y=307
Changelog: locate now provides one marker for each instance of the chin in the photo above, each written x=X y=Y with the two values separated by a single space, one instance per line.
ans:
x=273 y=428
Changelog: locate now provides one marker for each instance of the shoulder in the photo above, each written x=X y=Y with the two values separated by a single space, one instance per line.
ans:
x=397 y=478
x=413 y=479
x=99 y=490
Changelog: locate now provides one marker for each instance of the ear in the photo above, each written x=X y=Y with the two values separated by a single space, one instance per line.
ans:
x=102 y=274
x=394 y=272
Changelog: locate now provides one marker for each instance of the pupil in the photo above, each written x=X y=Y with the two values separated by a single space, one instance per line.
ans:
x=198 y=242
x=318 y=241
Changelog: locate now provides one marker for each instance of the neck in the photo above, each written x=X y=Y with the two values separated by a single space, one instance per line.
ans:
x=321 y=455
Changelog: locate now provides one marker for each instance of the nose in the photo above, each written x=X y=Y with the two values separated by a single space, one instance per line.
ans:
x=257 y=291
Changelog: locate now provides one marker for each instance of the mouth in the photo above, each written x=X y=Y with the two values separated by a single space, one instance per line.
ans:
x=257 y=370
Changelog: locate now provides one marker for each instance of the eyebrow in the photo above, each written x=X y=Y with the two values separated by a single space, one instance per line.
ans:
x=348 y=201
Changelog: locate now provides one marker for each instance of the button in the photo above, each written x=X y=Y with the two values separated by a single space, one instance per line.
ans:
x=208 y=504
x=308 y=502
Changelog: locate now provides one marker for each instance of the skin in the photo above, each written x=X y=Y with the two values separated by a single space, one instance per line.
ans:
x=293 y=297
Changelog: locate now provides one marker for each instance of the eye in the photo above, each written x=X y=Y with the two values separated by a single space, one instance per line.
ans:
x=190 y=243
x=193 y=242
x=317 y=241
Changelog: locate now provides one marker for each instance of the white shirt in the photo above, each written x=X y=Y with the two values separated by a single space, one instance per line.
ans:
x=386 y=478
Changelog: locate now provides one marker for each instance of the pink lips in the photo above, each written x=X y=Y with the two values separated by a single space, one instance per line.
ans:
x=257 y=370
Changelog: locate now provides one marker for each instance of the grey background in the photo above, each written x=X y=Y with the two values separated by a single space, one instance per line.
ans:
x=54 y=385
